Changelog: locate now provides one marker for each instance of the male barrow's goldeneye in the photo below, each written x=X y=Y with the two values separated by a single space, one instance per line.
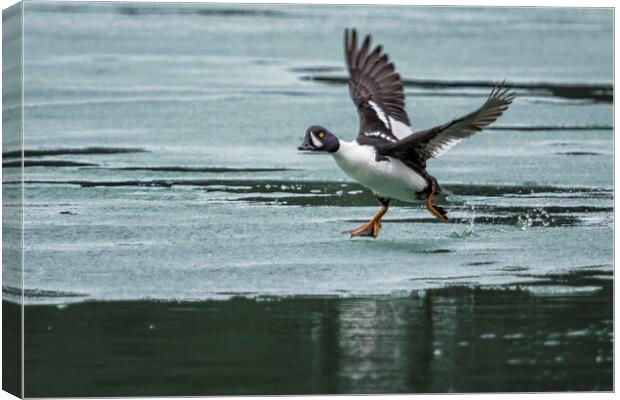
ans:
x=387 y=157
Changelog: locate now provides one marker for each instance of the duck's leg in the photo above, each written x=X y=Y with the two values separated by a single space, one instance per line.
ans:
x=372 y=227
x=439 y=212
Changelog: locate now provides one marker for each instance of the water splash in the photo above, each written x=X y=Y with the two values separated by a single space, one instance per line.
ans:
x=471 y=228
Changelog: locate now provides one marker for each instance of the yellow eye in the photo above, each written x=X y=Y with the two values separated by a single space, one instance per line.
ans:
x=321 y=135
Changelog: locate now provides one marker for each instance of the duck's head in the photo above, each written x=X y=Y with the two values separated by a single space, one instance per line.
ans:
x=319 y=139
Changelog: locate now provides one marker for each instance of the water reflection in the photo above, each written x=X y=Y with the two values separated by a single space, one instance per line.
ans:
x=446 y=340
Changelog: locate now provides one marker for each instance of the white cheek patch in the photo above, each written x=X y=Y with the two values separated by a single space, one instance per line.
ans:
x=316 y=142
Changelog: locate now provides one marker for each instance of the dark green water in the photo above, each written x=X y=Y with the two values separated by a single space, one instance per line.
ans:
x=455 y=339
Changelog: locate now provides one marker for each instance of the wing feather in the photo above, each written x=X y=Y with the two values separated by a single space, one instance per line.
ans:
x=433 y=142
x=376 y=89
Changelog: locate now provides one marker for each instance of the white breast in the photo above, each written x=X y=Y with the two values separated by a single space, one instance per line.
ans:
x=391 y=179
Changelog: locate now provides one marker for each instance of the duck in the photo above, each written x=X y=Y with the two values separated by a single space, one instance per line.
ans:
x=387 y=157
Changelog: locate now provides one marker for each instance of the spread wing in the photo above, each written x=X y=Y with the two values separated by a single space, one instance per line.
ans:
x=433 y=142
x=376 y=90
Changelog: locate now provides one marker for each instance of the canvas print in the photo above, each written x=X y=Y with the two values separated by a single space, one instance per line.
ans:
x=205 y=199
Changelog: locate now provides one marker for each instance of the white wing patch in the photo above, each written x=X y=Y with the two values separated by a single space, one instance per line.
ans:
x=380 y=114
x=381 y=135
x=399 y=129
